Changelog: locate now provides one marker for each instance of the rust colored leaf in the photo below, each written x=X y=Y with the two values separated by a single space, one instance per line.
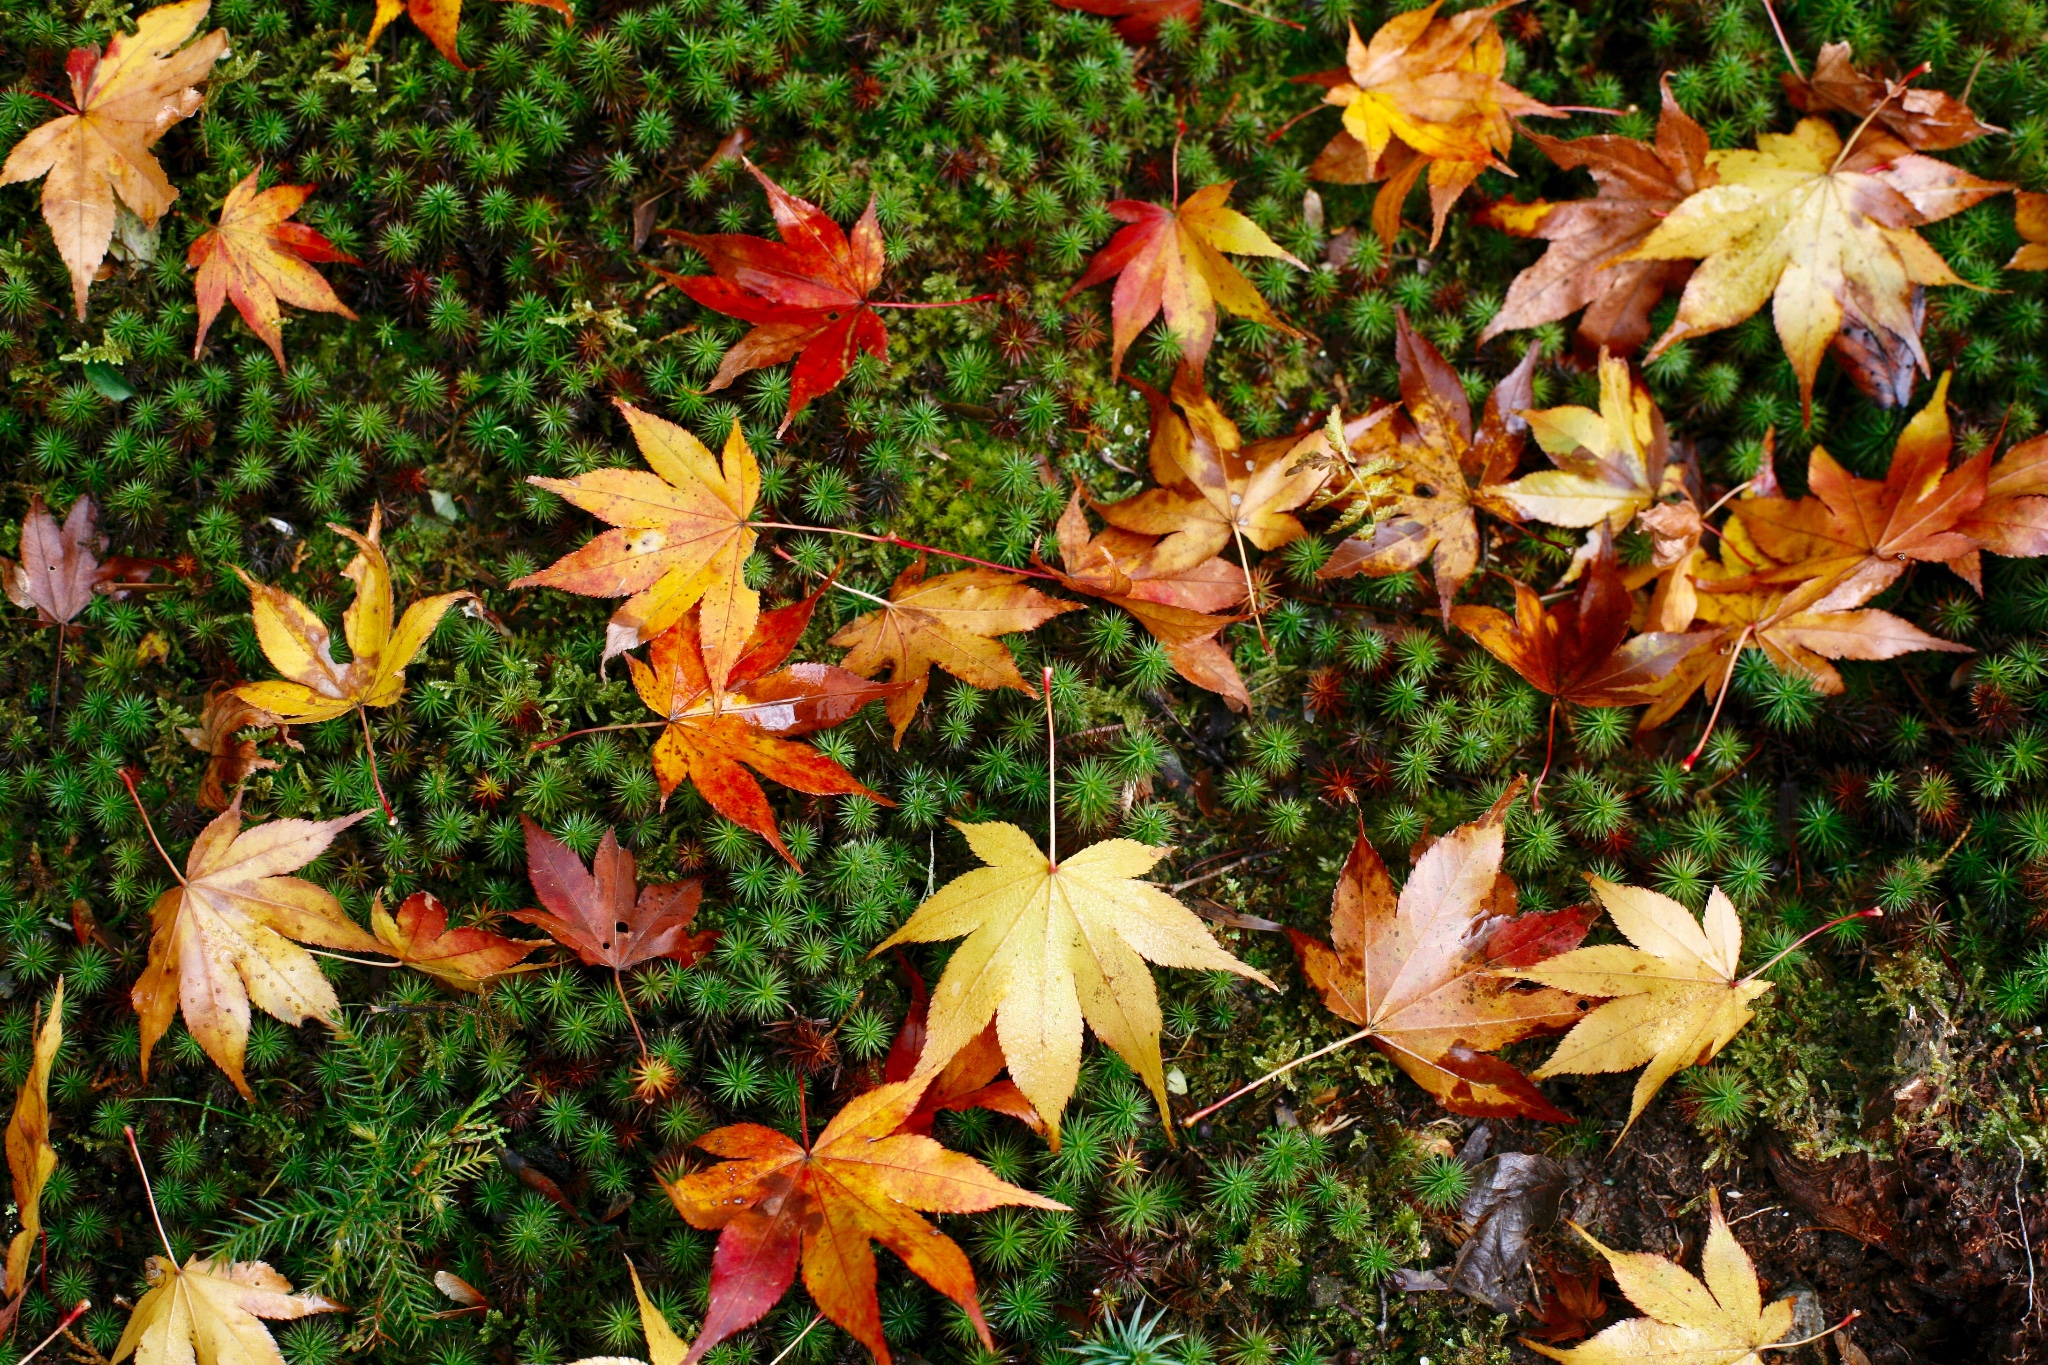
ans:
x=419 y=936
x=441 y=19
x=231 y=757
x=778 y=1206
x=1925 y=120
x=968 y=1081
x=256 y=259
x=602 y=913
x=1170 y=260
x=1418 y=971
x=954 y=621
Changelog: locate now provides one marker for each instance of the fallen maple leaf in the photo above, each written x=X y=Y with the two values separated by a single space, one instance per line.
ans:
x=664 y=1347
x=1673 y=999
x=1815 y=232
x=1424 y=94
x=954 y=621
x=1214 y=491
x=682 y=538
x=206 y=1313
x=1721 y=1322
x=2030 y=217
x=1138 y=21
x=1568 y=1303
x=297 y=643
x=1438 y=458
x=2013 y=518
x=1417 y=974
x=1611 y=464
x=966 y=1082
x=60 y=568
x=1050 y=944
x=440 y=20
x=1176 y=605
x=122 y=103
x=1638 y=185
x=257 y=259
x=223 y=937
x=466 y=958
x=602 y=913
x=30 y=1157
x=777 y=1205
x=715 y=734
x=230 y=757
x=1170 y=260
x=1925 y=120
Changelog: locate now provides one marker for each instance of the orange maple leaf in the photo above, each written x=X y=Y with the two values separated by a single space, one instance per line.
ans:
x=968 y=1081
x=257 y=259
x=440 y=20
x=419 y=936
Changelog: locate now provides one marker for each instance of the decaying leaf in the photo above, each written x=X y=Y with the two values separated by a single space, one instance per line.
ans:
x=1170 y=260
x=602 y=913
x=1925 y=120
x=954 y=621
x=1439 y=459
x=716 y=734
x=30 y=1157
x=1611 y=464
x=419 y=936
x=441 y=19
x=60 y=568
x=121 y=103
x=777 y=1206
x=257 y=259
x=1721 y=1322
x=1049 y=945
x=208 y=1313
x=682 y=537
x=1424 y=94
x=297 y=643
x=223 y=939
x=1638 y=185
x=1817 y=234
x=231 y=757
x=1673 y=999
x=1416 y=972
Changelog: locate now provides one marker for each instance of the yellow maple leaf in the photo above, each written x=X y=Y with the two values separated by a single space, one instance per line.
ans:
x=124 y=101
x=297 y=642
x=1611 y=464
x=30 y=1157
x=211 y=1314
x=1049 y=945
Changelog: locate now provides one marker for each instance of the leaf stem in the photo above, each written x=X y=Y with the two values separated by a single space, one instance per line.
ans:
x=78 y=1311
x=370 y=746
x=1052 y=806
x=638 y=1037
x=900 y=543
x=1779 y=29
x=954 y=303
x=816 y=1318
x=1741 y=643
x=1854 y=1313
x=1192 y=1119
x=128 y=779
x=57 y=681
x=1873 y=912
x=1260 y=14
x=359 y=961
x=128 y=1131
x=598 y=730
x=1892 y=90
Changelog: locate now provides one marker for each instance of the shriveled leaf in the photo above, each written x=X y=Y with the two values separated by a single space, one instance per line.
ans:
x=1170 y=260
x=682 y=537
x=1050 y=946
x=954 y=621
x=419 y=936
x=30 y=1157
x=298 y=645
x=1925 y=120
x=231 y=758
x=1418 y=970
x=123 y=102
x=224 y=939
x=1611 y=464
x=257 y=259
x=777 y=1206
x=440 y=20
x=208 y=1313
x=602 y=913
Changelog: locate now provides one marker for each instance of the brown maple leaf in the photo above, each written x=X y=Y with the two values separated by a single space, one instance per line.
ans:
x=2013 y=518
x=1925 y=120
x=714 y=734
x=1569 y=1303
x=419 y=936
x=955 y=621
x=1439 y=458
x=1170 y=260
x=1417 y=971
x=231 y=758
x=2030 y=217
x=256 y=259
x=1638 y=184
x=121 y=103
x=602 y=913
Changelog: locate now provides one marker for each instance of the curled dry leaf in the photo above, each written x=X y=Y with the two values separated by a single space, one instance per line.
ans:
x=602 y=913
x=1050 y=945
x=1611 y=464
x=682 y=537
x=419 y=936
x=1925 y=120
x=441 y=20
x=716 y=734
x=231 y=757
x=778 y=1206
x=1416 y=972
x=297 y=643
x=954 y=621
x=1170 y=260
x=224 y=938
x=210 y=1313
x=121 y=103
x=256 y=259
x=30 y=1157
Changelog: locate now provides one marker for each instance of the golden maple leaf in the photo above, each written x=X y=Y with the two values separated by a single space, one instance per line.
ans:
x=1720 y=1322
x=222 y=939
x=1818 y=232
x=1611 y=464
x=123 y=102
x=1674 y=999
x=30 y=1157
x=256 y=259
x=1050 y=944
x=298 y=645
x=441 y=19
x=211 y=1314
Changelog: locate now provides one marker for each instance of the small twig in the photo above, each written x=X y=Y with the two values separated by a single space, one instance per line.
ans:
x=900 y=543
x=77 y=1311
x=816 y=1318
x=344 y=957
x=2020 y=1207
x=1212 y=875
x=1192 y=1119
